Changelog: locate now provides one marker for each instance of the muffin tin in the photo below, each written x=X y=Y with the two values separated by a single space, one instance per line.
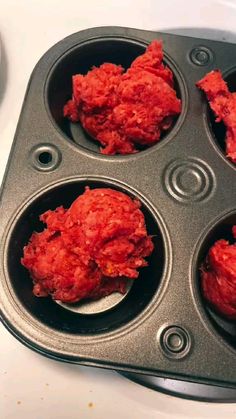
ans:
x=187 y=189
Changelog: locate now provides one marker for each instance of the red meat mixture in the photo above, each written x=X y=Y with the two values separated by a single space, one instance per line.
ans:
x=218 y=277
x=223 y=104
x=123 y=110
x=89 y=250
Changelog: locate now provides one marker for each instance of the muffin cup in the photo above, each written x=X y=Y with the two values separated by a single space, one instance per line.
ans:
x=81 y=59
x=218 y=129
x=91 y=317
x=222 y=229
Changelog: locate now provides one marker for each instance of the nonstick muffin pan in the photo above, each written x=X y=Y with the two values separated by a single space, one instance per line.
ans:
x=186 y=186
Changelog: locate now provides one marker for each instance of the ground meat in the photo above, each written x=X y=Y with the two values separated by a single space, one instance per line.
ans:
x=218 y=277
x=223 y=104
x=89 y=250
x=123 y=110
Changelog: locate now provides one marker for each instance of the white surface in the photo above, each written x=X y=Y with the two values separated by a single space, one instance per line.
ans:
x=31 y=386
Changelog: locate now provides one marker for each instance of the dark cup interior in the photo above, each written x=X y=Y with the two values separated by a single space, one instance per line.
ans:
x=60 y=317
x=223 y=230
x=81 y=59
x=218 y=128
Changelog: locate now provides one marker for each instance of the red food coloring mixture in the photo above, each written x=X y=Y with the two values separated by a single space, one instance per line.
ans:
x=218 y=277
x=90 y=249
x=123 y=110
x=223 y=104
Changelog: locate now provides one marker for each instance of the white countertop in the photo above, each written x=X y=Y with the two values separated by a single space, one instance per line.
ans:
x=32 y=386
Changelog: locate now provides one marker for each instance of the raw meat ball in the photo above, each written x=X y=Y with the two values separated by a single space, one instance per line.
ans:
x=89 y=250
x=218 y=277
x=223 y=104
x=123 y=110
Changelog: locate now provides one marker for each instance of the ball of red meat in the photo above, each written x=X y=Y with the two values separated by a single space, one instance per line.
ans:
x=218 y=277
x=112 y=229
x=89 y=250
x=125 y=109
x=223 y=104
